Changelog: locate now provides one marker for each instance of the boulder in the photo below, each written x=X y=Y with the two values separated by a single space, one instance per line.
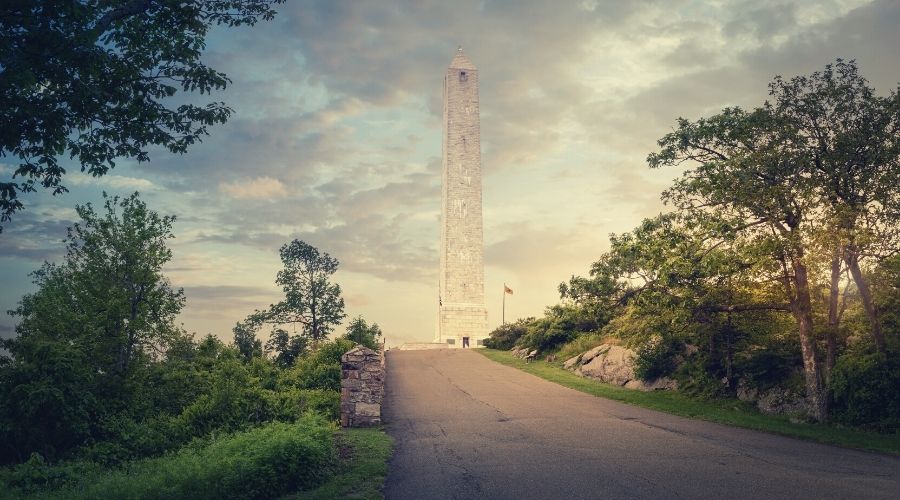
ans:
x=745 y=392
x=660 y=384
x=571 y=362
x=781 y=401
x=593 y=353
x=614 y=366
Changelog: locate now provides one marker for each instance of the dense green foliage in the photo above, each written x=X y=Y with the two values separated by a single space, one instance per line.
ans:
x=264 y=462
x=778 y=266
x=360 y=332
x=102 y=395
x=95 y=81
x=507 y=335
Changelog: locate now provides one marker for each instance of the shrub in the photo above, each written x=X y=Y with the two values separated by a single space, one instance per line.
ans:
x=295 y=402
x=36 y=475
x=766 y=367
x=864 y=391
x=694 y=379
x=265 y=462
x=505 y=336
x=656 y=358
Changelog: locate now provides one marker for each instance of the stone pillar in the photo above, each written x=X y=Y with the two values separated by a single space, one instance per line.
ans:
x=362 y=387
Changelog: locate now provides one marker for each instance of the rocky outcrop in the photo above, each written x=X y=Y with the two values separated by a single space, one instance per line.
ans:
x=524 y=353
x=614 y=364
x=775 y=400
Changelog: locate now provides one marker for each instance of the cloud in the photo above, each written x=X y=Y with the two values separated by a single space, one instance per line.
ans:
x=260 y=188
x=336 y=135
x=36 y=234
x=119 y=182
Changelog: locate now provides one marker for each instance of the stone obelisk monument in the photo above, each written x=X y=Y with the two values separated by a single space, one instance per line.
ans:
x=462 y=317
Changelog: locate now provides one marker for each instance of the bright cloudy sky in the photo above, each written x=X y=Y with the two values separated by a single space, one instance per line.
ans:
x=336 y=140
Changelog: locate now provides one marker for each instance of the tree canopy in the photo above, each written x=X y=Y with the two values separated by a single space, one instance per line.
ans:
x=311 y=303
x=93 y=323
x=95 y=81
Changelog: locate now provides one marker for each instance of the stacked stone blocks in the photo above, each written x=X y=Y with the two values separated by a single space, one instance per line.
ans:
x=362 y=387
x=461 y=312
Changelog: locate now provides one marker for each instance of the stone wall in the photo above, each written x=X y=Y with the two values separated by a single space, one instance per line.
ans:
x=362 y=387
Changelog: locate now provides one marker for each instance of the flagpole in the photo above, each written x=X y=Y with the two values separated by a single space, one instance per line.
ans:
x=504 y=303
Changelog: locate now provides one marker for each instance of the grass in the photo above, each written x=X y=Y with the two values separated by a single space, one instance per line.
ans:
x=361 y=470
x=723 y=411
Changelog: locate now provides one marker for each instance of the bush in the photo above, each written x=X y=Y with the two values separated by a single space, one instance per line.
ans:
x=694 y=379
x=265 y=462
x=656 y=358
x=37 y=475
x=767 y=367
x=864 y=390
x=295 y=402
x=504 y=337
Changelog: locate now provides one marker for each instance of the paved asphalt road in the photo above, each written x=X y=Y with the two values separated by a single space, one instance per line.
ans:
x=466 y=427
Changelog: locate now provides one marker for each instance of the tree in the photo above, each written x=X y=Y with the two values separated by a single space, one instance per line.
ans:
x=287 y=348
x=849 y=139
x=773 y=207
x=95 y=81
x=311 y=301
x=109 y=296
x=360 y=332
x=95 y=316
x=245 y=340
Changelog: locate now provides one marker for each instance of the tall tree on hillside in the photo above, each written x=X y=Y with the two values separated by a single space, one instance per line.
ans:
x=748 y=184
x=311 y=301
x=850 y=139
x=94 y=81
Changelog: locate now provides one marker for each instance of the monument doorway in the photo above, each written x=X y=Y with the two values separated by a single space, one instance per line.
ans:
x=465 y=342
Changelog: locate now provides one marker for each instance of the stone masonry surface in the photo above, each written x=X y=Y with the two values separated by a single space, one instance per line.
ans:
x=362 y=387
x=461 y=309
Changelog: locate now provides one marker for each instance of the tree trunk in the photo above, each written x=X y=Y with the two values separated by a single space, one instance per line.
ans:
x=851 y=255
x=831 y=332
x=815 y=392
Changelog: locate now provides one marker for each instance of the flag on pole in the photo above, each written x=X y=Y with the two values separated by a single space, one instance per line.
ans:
x=507 y=289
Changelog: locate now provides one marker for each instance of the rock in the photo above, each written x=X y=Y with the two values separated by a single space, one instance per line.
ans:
x=551 y=358
x=368 y=409
x=781 y=401
x=660 y=384
x=593 y=353
x=571 y=362
x=745 y=392
x=615 y=365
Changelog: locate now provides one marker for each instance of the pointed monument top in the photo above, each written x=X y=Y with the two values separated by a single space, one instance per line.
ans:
x=460 y=61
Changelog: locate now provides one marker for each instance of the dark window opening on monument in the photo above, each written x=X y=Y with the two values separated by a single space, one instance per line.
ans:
x=463 y=76
x=451 y=341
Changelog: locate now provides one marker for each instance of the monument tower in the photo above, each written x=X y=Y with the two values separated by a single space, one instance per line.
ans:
x=462 y=317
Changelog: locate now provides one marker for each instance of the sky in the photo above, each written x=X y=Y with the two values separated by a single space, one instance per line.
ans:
x=336 y=140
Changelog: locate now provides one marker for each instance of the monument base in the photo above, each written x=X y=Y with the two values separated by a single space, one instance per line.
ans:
x=461 y=324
